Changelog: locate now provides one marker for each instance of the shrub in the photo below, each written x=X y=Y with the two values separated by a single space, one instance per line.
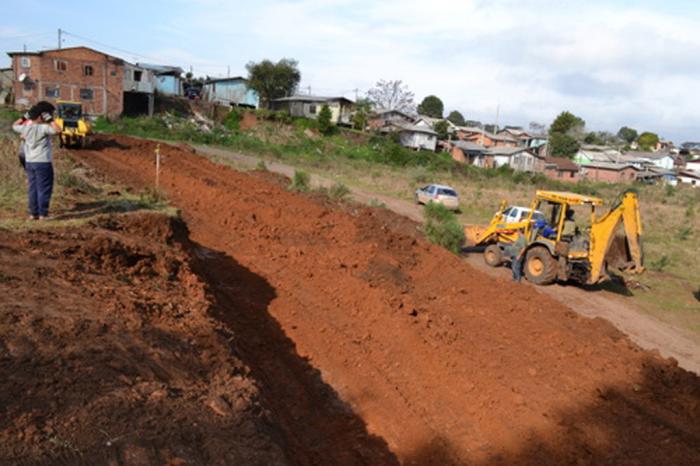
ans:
x=300 y=181
x=233 y=120
x=261 y=166
x=338 y=191
x=443 y=228
x=325 y=125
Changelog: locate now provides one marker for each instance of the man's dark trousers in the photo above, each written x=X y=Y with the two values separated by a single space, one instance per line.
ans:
x=516 y=266
x=40 y=176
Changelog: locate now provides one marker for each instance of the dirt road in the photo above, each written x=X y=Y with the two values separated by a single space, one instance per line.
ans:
x=347 y=310
x=645 y=330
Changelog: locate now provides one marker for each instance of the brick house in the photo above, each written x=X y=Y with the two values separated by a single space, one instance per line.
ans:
x=609 y=172
x=559 y=168
x=104 y=84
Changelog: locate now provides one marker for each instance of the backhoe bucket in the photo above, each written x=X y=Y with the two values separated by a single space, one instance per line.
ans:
x=474 y=234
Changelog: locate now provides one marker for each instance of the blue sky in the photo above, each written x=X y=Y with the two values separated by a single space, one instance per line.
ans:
x=613 y=63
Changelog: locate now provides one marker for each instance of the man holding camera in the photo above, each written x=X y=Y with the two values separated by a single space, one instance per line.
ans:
x=36 y=135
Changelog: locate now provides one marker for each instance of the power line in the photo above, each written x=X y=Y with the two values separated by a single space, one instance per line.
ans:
x=134 y=54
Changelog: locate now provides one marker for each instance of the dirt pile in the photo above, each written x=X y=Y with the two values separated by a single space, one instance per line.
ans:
x=108 y=354
x=351 y=321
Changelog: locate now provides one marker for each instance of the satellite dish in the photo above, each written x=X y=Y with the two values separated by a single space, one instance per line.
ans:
x=22 y=77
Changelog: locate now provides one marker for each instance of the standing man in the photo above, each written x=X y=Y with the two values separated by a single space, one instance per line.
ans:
x=517 y=254
x=38 y=157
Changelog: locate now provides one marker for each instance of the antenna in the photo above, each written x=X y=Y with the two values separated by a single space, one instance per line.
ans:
x=60 y=39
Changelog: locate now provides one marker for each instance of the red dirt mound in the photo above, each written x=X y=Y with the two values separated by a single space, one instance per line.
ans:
x=108 y=354
x=444 y=364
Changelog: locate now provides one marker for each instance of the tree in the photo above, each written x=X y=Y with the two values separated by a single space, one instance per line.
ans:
x=473 y=124
x=441 y=127
x=565 y=133
x=391 y=95
x=566 y=122
x=273 y=80
x=629 y=135
x=431 y=106
x=647 y=141
x=456 y=118
x=563 y=145
x=593 y=138
x=490 y=128
x=325 y=125
x=361 y=115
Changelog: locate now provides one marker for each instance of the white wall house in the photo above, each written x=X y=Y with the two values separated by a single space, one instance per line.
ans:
x=693 y=165
x=418 y=136
x=689 y=177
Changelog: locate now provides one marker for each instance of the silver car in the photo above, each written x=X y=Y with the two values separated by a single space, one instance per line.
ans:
x=438 y=193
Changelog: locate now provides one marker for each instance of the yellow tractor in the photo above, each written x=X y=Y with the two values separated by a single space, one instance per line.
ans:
x=557 y=251
x=75 y=129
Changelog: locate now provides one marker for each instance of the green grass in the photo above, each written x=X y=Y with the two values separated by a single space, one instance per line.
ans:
x=442 y=227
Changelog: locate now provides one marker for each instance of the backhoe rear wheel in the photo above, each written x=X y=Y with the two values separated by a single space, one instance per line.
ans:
x=493 y=255
x=540 y=267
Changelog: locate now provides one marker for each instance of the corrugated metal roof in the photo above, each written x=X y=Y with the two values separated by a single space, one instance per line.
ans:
x=608 y=165
x=310 y=98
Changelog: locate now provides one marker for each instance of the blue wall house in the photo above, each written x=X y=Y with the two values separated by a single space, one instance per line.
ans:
x=168 y=78
x=230 y=91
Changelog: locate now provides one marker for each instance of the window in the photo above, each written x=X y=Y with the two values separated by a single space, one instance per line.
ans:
x=137 y=75
x=52 y=92
x=447 y=192
x=86 y=94
x=312 y=109
x=25 y=62
x=87 y=70
x=60 y=65
x=127 y=75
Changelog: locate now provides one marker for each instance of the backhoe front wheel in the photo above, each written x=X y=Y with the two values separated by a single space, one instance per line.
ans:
x=493 y=255
x=540 y=267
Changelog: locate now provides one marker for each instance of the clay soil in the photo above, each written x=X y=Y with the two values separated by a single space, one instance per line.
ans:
x=349 y=338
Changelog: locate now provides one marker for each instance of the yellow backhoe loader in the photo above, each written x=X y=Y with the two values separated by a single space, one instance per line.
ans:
x=75 y=129
x=558 y=251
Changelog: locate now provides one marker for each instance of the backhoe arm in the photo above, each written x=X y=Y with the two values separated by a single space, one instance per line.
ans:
x=603 y=231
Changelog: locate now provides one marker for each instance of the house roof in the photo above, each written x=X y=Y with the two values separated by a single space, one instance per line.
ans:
x=696 y=160
x=690 y=174
x=609 y=166
x=470 y=129
x=416 y=129
x=507 y=151
x=161 y=69
x=470 y=146
x=647 y=155
x=561 y=163
x=41 y=52
x=384 y=111
x=311 y=98
x=219 y=80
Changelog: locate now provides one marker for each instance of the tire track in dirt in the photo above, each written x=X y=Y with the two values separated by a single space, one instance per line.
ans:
x=473 y=369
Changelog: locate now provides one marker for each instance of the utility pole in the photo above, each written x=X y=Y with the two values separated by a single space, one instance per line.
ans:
x=60 y=39
x=309 y=88
x=228 y=71
x=498 y=109
x=356 y=95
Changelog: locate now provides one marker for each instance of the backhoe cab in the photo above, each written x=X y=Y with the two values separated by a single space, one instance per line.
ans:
x=75 y=129
x=561 y=246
